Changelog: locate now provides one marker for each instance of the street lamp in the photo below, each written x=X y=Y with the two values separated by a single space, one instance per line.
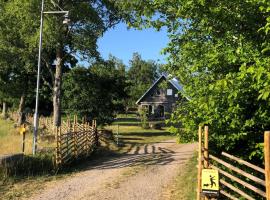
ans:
x=66 y=21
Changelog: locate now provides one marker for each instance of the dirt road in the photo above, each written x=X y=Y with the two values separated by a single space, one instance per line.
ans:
x=142 y=174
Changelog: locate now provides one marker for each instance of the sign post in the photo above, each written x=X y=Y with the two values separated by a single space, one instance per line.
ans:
x=22 y=132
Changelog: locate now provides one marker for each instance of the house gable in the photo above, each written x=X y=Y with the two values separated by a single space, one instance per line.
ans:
x=155 y=94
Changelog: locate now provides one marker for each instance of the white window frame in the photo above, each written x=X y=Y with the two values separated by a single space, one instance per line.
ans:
x=169 y=92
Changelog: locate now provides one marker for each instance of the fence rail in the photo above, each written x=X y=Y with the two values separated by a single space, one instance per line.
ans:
x=73 y=139
x=235 y=181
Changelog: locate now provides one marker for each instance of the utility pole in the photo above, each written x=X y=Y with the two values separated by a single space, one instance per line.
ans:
x=38 y=81
x=66 y=20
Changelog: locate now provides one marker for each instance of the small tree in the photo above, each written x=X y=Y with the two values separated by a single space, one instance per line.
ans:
x=144 y=118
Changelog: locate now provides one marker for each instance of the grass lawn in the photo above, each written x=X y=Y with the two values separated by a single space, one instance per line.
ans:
x=130 y=120
x=132 y=136
x=11 y=140
x=186 y=182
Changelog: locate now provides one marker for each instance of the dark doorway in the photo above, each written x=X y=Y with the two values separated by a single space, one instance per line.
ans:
x=160 y=111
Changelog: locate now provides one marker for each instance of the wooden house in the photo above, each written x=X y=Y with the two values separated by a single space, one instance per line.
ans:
x=160 y=98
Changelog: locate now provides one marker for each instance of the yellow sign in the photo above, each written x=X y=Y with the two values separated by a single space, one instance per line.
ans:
x=22 y=130
x=210 y=181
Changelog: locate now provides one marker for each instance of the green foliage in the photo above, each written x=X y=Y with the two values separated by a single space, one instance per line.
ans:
x=19 y=37
x=141 y=76
x=95 y=92
x=219 y=50
x=144 y=118
x=17 y=49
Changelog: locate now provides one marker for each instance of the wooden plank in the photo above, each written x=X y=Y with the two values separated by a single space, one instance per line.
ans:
x=228 y=195
x=206 y=146
x=241 y=172
x=243 y=162
x=267 y=162
x=66 y=149
x=206 y=151
x=199 y=164
x=245 y=184
x=243 y=194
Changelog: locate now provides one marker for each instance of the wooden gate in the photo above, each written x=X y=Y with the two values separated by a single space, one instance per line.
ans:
x=250 y=183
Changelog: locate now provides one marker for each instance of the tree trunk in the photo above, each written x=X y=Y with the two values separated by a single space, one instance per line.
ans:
x=4 y=111
x=57 y=88
x=21 y=113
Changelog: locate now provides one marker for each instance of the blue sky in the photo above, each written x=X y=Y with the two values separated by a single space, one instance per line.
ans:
x=122 y=43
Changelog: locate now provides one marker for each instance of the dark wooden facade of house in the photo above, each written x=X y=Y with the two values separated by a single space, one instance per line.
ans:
x=160 y=99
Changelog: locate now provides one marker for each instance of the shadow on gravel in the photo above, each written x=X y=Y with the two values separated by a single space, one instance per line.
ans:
x=143 y=155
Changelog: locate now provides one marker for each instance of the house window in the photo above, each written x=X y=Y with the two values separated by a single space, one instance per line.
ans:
x=158 y=92
x=176 y=95
x=169 y=92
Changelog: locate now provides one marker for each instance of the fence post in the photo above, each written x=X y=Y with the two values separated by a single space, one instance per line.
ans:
x=94 y=124
x=206 y=153
x=267 y=162
x=75 y=137
x=58 y=151
x=199 y=164
x=88 y=132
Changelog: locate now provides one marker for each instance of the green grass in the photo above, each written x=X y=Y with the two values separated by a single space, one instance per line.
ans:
x=132 y=136
x=6 y=127
x=11 y=140
x=134 y=115
x=186 y=182
x=130 y=120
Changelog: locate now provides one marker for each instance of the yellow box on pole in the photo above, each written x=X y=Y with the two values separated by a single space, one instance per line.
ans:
x=22 y=130
x=210 y=182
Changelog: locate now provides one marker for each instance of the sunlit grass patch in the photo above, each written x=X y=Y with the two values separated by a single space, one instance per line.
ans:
x=186 y=182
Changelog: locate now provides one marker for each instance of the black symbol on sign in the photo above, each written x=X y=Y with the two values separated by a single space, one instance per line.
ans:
x=212 y=182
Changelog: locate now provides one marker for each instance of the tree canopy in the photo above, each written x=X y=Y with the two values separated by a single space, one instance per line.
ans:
x=141 y=75
x=220 y=52
x=95 y=92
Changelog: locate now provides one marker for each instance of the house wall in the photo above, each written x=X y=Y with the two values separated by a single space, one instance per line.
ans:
x=155 y=98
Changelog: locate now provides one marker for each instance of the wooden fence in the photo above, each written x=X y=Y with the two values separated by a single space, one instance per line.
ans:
x=72 y=139
x=250 y=183
x=75 y=140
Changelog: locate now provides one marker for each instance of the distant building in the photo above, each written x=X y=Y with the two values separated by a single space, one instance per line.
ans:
x=161 y=97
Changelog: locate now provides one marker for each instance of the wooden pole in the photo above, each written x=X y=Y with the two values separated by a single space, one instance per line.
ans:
x=267 y=162
x=206 y=152
x=23 y=142
x=117 y=139
x=75 y=137
x=199 y=164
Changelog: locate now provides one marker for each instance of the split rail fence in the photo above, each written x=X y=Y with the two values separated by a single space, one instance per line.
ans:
x=239 y=179
x=73 y=139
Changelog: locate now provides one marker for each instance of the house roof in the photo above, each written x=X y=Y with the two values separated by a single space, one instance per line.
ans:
x=173 y=81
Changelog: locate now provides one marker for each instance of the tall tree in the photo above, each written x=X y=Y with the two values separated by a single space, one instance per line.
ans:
x=17 y=49
x=89 y=20
x=141 y=76
x=96 y=92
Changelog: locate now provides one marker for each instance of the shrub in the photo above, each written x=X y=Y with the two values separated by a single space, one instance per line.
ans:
x=144 y=118
x=155 y=125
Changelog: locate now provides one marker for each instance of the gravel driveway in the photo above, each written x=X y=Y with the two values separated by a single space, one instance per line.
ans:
x=142 y=174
